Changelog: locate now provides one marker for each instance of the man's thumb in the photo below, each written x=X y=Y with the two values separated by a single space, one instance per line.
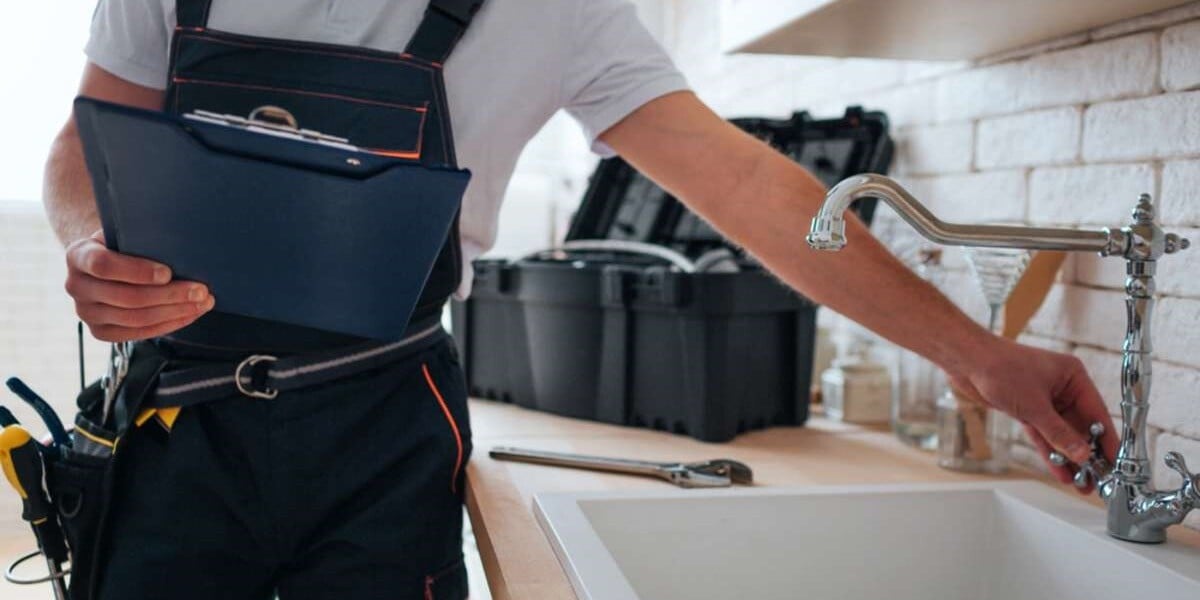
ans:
x=1064 y=438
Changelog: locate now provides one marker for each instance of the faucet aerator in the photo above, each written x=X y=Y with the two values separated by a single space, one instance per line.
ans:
x=825 y=242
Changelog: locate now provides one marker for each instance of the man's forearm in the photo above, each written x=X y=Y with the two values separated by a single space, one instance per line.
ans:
x=67 y=187
x=864 y=281
x=764 y=202
x=67 y=190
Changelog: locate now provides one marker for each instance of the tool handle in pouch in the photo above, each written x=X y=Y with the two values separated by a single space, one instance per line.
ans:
x=22 y=464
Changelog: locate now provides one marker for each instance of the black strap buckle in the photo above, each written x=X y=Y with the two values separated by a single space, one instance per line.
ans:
x=459 y=10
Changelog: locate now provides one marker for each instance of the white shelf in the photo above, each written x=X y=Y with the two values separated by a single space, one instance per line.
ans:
x=914 y=29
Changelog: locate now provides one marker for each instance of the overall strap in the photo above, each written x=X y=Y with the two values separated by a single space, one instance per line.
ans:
x=192 y=14
x=444 y=23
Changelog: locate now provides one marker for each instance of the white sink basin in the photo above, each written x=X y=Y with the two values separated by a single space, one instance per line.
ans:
x=971 y=541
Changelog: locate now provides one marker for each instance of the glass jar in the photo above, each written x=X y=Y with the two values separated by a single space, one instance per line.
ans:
x=914 y=407
x=972 y=437
x=918 y=381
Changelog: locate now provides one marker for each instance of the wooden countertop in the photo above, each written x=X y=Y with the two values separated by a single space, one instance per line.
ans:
x=517 y=556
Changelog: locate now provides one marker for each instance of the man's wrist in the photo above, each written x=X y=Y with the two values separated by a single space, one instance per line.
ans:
x=968 y=351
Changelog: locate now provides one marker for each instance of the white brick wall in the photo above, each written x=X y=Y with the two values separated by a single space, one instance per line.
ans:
x=1105 y=193
x=1180 y=180
x=1044 y=137
x=990 y=196
x=1119 y=68
x=1064 y=133
x=1163 y=126
x=1181 y=57
x=940 y=149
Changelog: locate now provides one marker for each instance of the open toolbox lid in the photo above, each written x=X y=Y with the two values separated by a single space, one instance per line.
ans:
x=622 y=204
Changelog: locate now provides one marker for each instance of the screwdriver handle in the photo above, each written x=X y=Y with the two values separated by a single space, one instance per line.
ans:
x=22 y=466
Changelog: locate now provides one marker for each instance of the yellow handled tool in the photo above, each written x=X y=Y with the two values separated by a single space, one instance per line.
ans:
x=22 y=465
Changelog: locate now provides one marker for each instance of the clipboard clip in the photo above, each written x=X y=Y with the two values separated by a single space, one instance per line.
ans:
x=272 y=120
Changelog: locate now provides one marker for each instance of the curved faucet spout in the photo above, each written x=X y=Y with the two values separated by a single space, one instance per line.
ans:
x=829 y=226
x=1136 y=511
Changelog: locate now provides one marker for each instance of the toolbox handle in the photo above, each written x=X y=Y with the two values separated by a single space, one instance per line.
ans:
x=684 y=263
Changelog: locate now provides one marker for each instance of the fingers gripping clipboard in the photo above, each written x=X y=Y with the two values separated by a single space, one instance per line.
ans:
x=317 y=235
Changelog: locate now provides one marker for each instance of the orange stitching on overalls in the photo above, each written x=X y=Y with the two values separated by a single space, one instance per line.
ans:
x=407 y=59
x=453 y=425
x=432 y=579
x=392 y=153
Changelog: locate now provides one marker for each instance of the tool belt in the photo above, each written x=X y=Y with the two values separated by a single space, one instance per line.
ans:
x=79 y=479
x=159 y=382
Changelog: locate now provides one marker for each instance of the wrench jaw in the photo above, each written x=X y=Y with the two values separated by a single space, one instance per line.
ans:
x=721 y=472
x=736 y=471
x=686 y=477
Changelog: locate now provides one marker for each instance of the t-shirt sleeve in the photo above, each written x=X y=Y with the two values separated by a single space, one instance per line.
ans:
x=129 y=39
x=615 y=66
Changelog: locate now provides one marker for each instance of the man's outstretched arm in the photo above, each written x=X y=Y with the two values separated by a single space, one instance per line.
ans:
x=764 y=202
x=119 y=297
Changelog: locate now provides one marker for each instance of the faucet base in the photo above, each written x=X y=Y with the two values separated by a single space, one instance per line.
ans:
x=1141 y=536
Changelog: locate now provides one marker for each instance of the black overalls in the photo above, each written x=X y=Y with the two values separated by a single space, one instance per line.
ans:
x=302 y=462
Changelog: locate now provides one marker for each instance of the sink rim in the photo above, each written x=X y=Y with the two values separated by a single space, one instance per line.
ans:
x=561 y=516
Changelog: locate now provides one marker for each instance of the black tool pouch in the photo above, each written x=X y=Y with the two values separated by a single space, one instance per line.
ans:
x=80 y=481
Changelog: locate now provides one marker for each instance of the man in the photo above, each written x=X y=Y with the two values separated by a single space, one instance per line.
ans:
x=300 y=506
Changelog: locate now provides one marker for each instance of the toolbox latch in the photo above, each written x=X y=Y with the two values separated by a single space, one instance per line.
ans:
x=660 y=285
x=616 y=286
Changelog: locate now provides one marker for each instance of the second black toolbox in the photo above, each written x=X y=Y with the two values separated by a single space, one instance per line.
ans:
x=647 y=316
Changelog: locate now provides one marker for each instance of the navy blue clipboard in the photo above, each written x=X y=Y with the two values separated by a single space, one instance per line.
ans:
x=279 y=229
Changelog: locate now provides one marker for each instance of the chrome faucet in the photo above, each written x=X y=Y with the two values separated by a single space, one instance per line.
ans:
x=1136 y=511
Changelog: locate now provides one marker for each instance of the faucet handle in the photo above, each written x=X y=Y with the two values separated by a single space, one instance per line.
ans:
x=1096 y=468
x=1191 y=481
x=1174 y=243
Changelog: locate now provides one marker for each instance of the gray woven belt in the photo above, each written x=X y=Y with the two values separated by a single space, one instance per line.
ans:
x=264 y=376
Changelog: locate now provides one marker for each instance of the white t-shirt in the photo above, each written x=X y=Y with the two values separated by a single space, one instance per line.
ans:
x=519 y=62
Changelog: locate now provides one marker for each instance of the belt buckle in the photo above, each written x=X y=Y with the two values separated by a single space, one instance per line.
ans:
x=265 y=393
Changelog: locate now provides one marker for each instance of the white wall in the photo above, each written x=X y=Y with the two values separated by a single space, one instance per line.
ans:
x=1065 y=134
x=41 y=54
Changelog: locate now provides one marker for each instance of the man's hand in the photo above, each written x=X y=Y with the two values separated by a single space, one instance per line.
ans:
x=1049 y=393
x=120 y=297
x=123 y=298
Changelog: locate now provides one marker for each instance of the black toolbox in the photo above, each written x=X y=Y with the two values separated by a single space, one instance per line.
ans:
x=662 y=323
